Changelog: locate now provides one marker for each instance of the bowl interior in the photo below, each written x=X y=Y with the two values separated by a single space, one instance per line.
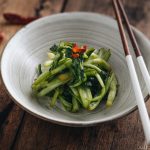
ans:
x=30 y=45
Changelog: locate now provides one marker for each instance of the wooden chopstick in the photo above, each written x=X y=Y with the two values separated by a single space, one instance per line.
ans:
x=136 y=48
x=130 y=32
x=134 y=79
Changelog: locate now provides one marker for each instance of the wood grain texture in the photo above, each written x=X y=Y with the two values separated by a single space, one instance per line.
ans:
x=52 y=7
x=28 y=132
x=4 y=98
x=10 y=127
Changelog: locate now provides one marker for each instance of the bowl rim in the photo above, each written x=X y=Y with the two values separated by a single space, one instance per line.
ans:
x=51 y=119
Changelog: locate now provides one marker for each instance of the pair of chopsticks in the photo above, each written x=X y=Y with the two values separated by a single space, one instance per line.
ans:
x=119 y=10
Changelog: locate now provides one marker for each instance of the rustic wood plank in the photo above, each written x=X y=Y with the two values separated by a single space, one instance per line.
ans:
x=139 y=14
x=4 y=112
x=52 y=7
x=4 y=98
x=34 y=134
x=9 y=129
x=28 y=134
x=79 y=5
x=137 y=11
x=130 y=132
x=91 y=137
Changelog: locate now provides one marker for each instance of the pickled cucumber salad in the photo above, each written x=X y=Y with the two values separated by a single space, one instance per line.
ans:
x=77 y=77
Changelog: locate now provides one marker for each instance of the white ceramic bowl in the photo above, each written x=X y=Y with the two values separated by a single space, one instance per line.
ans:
x=30 y=45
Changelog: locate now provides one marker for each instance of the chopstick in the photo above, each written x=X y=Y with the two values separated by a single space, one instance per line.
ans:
x=136 y=48
x=134 y=79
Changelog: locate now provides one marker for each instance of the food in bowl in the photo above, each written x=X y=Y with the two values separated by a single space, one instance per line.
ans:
x=76 y=76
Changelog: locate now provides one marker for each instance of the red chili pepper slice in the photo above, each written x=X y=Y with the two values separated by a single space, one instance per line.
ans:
x=77 y=49
x=18 y=19
x=2 y=36
x=75 y=55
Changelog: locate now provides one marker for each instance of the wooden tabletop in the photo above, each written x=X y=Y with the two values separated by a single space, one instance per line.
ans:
x=20 y=130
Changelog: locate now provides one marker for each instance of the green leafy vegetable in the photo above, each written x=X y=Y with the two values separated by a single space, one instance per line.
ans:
x=76 y=77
